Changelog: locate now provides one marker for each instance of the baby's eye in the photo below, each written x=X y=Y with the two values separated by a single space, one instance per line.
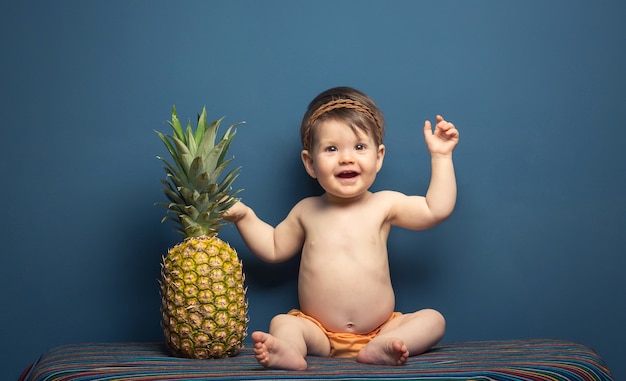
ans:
x=360 y=147
x=331 y=149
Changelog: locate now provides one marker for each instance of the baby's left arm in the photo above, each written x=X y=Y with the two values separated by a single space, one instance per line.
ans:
x=441 y=194
x=417 y=212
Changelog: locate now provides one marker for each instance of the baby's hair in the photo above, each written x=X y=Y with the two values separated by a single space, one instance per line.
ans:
x=347 y=105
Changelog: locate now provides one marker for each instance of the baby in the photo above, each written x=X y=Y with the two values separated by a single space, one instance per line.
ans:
x=344 y=286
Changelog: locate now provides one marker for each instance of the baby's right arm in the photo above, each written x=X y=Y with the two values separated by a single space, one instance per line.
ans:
x=266 y=242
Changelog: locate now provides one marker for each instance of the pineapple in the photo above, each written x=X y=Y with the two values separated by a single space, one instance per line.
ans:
x=203 y=298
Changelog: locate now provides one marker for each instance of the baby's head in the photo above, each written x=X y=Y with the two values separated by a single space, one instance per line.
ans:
x=347 y=105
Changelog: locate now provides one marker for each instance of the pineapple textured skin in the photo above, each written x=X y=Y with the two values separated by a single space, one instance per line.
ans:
x=203 y=302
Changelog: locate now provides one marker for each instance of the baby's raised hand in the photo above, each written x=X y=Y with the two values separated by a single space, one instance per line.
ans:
x=443 y=140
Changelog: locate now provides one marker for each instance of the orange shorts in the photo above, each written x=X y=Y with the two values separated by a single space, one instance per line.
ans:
x=345 y=344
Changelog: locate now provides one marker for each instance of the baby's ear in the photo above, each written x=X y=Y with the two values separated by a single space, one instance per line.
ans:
x=307 y=160
x=379 y=157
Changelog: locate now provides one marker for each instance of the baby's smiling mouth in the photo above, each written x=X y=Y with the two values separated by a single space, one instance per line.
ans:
x=347 y=175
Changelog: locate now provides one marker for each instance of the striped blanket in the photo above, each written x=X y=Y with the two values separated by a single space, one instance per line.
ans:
x=519 y=360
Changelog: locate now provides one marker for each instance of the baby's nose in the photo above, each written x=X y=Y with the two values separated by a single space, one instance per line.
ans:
x=346 y=157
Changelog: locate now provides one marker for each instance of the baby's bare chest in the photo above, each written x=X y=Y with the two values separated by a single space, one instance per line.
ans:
x=357 y=223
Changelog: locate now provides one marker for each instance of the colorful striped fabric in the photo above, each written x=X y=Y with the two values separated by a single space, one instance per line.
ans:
x=512 y=360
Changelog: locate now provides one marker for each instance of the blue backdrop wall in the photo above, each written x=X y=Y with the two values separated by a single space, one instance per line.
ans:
x=537 y=89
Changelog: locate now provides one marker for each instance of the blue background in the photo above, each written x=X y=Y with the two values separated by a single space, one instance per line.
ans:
x=537 y=89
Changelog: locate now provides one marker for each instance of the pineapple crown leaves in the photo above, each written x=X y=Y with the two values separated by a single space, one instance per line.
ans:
x=195 y=184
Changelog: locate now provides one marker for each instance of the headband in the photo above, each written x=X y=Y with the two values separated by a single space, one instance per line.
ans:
x=342 y=103
x=339 y=103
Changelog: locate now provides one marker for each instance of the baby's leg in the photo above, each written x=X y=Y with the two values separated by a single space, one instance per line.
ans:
x=290 y=339
x=404 y=336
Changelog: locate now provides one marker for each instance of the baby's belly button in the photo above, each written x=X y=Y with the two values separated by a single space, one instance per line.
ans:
x=358 y=327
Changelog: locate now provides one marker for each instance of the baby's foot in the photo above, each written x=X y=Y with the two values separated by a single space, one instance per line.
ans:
x=275 y=353
x=384 y=351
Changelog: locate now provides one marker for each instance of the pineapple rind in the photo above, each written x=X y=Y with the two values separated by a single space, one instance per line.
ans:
x=206 y=319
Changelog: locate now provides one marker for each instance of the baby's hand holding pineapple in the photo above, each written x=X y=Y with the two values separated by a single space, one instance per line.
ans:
x=236 y=212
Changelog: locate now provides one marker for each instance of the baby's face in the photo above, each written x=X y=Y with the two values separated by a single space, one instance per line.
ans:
x=344 y=160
